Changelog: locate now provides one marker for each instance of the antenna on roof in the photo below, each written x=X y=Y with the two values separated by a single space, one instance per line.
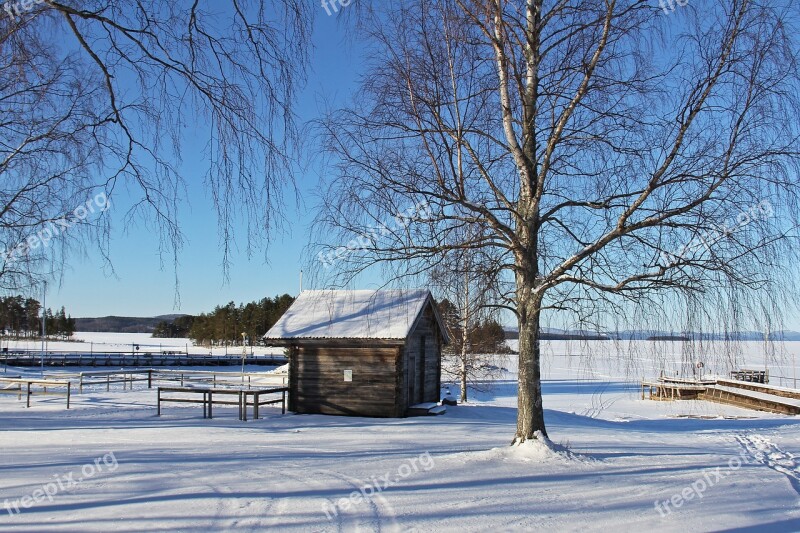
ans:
x=301 y=281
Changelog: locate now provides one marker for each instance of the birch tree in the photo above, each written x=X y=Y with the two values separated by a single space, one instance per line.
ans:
x=113 y=96
x=627 y=160
x=465 y=278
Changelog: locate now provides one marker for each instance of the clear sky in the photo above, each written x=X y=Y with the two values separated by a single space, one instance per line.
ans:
x=144 y=285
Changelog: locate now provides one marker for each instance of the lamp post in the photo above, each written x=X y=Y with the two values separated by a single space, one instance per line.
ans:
x=44 y=322
x=244 y=353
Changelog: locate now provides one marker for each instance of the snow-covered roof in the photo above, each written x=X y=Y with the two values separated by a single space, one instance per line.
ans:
x=364 y=314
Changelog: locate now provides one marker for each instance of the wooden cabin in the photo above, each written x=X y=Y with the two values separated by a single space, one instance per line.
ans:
x=361 y=353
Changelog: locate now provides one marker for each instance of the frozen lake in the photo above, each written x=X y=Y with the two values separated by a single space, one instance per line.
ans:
x=718 y=467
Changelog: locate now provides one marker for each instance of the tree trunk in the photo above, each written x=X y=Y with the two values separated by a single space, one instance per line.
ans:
x=463 y=372
x=530 y=415
x=465 y=348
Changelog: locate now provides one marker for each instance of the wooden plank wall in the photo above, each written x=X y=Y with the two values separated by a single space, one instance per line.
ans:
x=427 y=328
x=318 y=385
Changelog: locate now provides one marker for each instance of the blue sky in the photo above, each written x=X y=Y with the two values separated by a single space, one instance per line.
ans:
x=144 y=285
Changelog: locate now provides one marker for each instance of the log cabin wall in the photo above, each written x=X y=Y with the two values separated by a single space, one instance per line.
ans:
x=317 y=381
x=427 y=361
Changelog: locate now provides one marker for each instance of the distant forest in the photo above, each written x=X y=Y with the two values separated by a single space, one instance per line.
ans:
x=225 y=324
x=21 y=318
x=484 y=336
x=122 y=324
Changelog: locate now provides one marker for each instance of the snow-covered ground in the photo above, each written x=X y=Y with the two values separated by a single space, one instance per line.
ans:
x=86 y=342
x=109 y=464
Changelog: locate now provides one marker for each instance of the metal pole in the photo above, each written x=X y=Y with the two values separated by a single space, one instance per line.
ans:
x=44 y=321
x=766 y=348
x=244 y=354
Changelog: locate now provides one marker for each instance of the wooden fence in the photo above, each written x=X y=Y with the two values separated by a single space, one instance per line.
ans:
x=29 y=387
x=60 y=359
x=244 y=398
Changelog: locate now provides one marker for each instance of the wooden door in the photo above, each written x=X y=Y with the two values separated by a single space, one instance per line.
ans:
x=411 y=378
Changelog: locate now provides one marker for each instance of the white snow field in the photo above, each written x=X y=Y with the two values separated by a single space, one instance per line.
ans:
x=86 y=342
x=109 y=464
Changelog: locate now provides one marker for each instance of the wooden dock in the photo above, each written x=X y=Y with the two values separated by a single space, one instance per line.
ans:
x=669 y=391
x=745 y=394
x=749 y=399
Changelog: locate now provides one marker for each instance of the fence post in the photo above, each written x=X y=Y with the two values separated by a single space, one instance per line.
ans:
x=159 y=402
x=69 y=388
x=150 y=379
x=29 y=395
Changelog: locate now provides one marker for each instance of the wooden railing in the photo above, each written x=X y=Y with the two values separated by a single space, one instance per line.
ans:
x=30 y=386
x=208 y=400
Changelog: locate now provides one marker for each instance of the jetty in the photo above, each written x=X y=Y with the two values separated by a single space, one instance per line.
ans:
x=749 y=394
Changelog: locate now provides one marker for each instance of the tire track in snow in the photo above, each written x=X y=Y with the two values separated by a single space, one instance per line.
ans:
x=765 y=452
x=284 y=506
x=381 y=510
x=228 y=511
x=324 y=481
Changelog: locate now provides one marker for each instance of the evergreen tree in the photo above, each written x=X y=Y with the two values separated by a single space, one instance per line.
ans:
x=33 y=321
x=22 y=318
x=227 y=323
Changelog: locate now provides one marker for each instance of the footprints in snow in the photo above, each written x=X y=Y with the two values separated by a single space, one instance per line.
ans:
x=763 y=451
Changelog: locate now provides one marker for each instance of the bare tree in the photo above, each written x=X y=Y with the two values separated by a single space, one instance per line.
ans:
x=465 y=279
x=627 y=162
x=97 y=96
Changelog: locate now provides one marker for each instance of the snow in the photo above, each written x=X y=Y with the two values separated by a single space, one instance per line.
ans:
x=613 y=462
x=283 y=369
x=364 y=314
x=86 y=342
x=427 y=405
x=541 y=450
x=758 y=395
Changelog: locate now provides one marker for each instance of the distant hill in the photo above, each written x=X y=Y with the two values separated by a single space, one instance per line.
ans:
x=561 y=335
x=121 y=324
x=652 y=335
